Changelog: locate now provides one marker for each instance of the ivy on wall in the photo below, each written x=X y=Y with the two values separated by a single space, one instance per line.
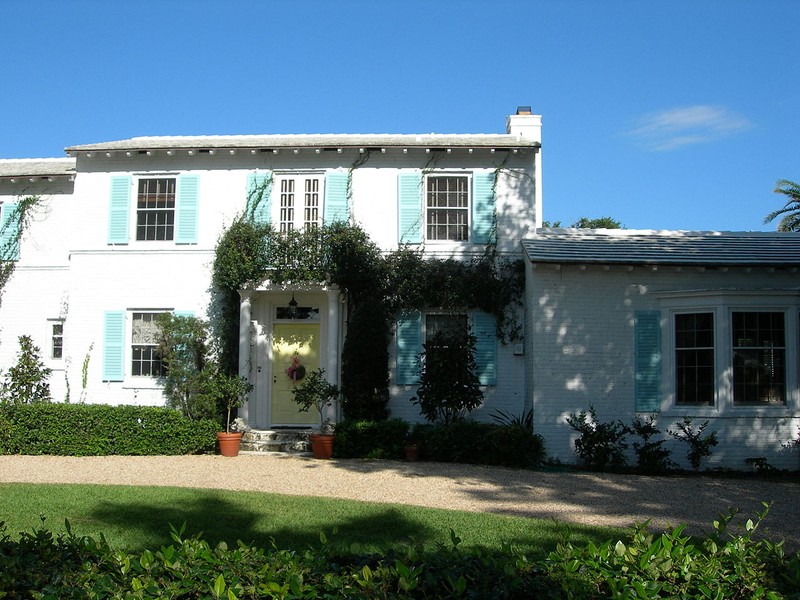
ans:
x=14 y=226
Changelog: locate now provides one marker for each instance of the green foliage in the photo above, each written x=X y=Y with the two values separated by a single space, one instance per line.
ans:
x=790 y=213
x=468 y=441
x=651 y=455
x=699 y=444
x=365 y=360
x=670 y=565
x=371 y=439
x=673 y=565
x=99 y=430
x=449 y=387
x=26 y=382
x=315 y=391
x=599 y=223
x=600 y=445
x=194 y=383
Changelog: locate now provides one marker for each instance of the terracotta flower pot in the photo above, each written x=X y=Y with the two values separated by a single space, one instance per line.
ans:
x=229 y=443
x=322 y=445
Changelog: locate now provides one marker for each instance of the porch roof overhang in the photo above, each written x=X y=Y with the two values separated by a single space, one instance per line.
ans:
x=32 y=169
x=669 y=248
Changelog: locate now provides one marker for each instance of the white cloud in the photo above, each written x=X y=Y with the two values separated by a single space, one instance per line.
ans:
x=683 y=126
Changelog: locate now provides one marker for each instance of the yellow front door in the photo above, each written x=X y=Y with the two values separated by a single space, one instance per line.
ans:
x=290 y=340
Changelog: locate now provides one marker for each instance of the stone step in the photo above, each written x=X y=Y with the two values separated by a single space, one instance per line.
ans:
x=277 y=440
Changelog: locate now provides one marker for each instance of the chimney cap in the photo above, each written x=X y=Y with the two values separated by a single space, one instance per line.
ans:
x=524 y=110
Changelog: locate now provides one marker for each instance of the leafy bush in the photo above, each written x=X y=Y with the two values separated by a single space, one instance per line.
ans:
x=99 y=430
x=469 y=441
x=600 y=445
x=671 y=565
x=699 y=445
x=651 y=455
x=26 y=382
x=370 y=439
x=448 y=384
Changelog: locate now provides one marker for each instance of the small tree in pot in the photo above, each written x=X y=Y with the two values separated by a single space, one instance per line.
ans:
x=316 y=391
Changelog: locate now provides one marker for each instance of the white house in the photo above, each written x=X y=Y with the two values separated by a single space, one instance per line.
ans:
x=127 y=229
x=671 y=324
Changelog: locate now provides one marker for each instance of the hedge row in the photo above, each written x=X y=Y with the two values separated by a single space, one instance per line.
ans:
x=464 y=441
x=100 y=430
x=670 y=565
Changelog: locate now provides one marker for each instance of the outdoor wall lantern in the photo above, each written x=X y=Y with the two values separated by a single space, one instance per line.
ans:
x=292 y=308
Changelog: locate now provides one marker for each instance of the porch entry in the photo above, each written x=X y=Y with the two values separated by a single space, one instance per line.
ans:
x=298 y=343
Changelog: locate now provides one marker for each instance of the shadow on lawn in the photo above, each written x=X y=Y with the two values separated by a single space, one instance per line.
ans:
x=224 y=516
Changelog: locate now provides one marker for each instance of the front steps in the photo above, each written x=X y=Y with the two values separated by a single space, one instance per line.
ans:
x=295 y=441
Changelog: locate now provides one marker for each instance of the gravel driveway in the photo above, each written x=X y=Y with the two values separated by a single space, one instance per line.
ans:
x=587 y=498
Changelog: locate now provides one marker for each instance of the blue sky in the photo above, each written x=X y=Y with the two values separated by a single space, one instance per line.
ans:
x=675 y=114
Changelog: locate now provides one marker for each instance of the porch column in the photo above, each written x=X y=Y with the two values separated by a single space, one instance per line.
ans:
x=245 y=309
x=333 y=336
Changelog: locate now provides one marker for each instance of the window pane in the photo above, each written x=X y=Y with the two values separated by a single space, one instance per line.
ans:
x=759 y=358
x=447 y=211
x=155 y=215
x=694 y=359
x=145 y=358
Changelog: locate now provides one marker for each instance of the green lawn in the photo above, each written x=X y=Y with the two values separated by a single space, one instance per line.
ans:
x=140 y=517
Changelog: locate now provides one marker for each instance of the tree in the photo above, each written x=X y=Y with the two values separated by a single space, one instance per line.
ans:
x=601 y=223
x=790 y=221
x=26 y=382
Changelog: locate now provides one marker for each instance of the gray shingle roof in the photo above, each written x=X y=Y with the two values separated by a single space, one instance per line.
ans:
x=312 y=141
x=630 y=247
x=36 y=167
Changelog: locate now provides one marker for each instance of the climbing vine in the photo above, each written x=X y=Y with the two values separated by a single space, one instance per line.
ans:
x=11 y=232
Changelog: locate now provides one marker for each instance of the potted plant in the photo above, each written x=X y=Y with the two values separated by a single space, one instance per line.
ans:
x=316 y=391
x=232 y=391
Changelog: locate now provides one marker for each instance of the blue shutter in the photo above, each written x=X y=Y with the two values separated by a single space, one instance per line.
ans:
x=409 y=345
x=409 y=206
x=183 y=313
x=484 y=328
x=119 y=210
x=187 y=209
x=259 y=191
x=647 y=331
x=336 y=198
x=9 y=230
x=483 y=206
x=114 y=345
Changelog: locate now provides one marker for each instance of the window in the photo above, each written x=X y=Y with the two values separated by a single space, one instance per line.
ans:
x=56 y=340
x=448 y=326
x=759 y=358
x=299 y=202
x=155 y=212
x=447 y=208
x=145 y=357
x=695 y=374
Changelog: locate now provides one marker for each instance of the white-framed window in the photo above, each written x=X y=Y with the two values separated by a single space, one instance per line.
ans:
x=731 y=351
x=155 y=209
x=447 y=325
x=55 y=332
x=447 y=207
x=299 y=201
x=145 y=356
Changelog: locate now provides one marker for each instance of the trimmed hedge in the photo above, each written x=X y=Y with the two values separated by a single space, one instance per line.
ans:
x=99 y=430
x=467 y=441
x=370 y=439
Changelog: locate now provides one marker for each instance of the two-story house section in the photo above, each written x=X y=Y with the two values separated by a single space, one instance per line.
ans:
x=138 y=230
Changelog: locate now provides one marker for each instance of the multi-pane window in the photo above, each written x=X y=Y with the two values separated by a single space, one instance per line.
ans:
x=447 y=208
x=155 y=209
x=145 y=332
x=445 y=327
x=695 y=379
x=56 y=340
x=299 y=202
x=759 y=358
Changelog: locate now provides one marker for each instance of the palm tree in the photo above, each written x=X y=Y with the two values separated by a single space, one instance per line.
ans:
x=790 y=221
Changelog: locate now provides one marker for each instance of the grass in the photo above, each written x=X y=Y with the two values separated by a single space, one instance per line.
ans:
x=140 y=517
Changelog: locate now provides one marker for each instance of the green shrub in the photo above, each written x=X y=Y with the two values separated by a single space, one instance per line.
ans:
x=468 y=441
x=600 y=445
x=370 y=439
x=26 y=382
x=651 y=455
x=99 y=430
x=699 y=444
